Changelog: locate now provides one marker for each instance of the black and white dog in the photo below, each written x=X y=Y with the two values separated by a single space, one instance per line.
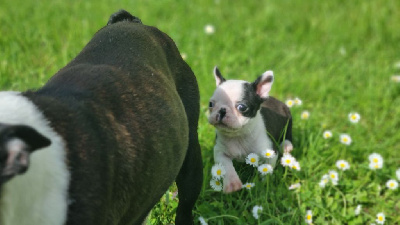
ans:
x=247 y=120
x=103 y=140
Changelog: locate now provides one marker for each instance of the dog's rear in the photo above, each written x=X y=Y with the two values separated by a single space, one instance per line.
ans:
x=127 y=107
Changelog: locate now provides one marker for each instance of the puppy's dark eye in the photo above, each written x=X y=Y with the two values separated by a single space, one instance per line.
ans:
x=242 y=108
x=211 y=104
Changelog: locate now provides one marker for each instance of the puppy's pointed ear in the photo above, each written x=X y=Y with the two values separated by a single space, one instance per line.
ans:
x=262 y=85
x=17 y=142
x=219 y=79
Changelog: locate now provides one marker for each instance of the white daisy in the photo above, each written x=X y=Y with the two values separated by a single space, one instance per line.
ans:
x=218 y=171
x=398 y=174
x=255 y=211
x=392 y=184
x=309 y=217
x=265 y=169
x=396 y=78
x=202 y=221
x=305 y=115
x=357 y=211
x=295 y=186
x=297 y=101
x=342 y=165
x=289 y=103
x=216 y=184
x=184 y=56
x=296 y=166
x=248 y=186
x=375 y=161
x=324 y=180
x=209 y=29
x=333 y=176
x=252 y=159
x=287 y=160
x=354 y=117
x=268 y=153
x=327 y=134
x=380 y=218
x=345 y=139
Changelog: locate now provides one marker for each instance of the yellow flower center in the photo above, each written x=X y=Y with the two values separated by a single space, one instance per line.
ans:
x=376 y=166
x=345 y=139
x=288 y=161
x=353 y=117
x=375 y=160
x=217 y=183
x=267 y=154
x=253 y=160
x=380 y=218
x=219 y=172
x=391 y=184
x=309 y=217
x=342 y=165
x=249 y=185
x=265 y=169
x=327 y=134
x=333 y=176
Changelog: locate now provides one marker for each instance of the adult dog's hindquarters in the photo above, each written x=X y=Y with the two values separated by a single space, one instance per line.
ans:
x=146 y=102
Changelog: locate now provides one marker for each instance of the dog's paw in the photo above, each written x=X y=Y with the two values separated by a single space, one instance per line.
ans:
x=287 y=146
x=232 y=183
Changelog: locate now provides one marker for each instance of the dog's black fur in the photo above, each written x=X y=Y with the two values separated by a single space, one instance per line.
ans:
x=127 y=107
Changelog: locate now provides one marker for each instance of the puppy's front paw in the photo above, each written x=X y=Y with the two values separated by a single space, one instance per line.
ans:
x=232 y=183
x=287 y=146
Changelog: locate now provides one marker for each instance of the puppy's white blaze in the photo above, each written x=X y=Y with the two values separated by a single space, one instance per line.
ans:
x=40 y=195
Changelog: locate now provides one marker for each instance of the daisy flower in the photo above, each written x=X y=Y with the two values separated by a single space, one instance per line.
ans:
x=398 y=174
x=209 y=29
x=255 y=211
x=297 y=101
x=327 y=134
x=295 y=186
x=376 y=161
x=289 y=103
x=265 y=169
x=392 y=184
x=287 y=160
x=345 y=139
x=248 y=186
x=354 y=117
x=268 y=153
x=305 y=115
x=216 y=185
x=396 y=78
x=333 y=176
x=380 y=218
x=342 y=165
x=202 y=221
x=309 y=217
x=252 y=159
x=324 y=180
x=218 y=171
x=296 y=166
x=184 y=56
x=357 y=211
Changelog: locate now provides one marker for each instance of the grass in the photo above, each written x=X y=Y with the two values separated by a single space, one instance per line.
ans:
x=337 y=56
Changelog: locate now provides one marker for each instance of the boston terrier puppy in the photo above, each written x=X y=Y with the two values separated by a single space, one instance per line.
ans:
x=247 y=120
x=103 y=140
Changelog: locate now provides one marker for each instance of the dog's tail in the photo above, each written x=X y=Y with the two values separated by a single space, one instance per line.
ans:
x=122 y=15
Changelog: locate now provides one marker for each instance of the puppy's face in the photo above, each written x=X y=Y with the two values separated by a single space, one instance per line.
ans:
x=235 y=102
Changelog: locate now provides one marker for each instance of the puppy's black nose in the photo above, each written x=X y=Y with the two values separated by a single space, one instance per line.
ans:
x=222 y=113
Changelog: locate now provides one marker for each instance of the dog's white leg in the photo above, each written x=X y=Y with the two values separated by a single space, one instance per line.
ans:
x=287 y=146
x=232 y=181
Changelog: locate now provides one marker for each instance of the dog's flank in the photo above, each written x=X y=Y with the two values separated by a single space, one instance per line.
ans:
x=247 y=120
x=122 y=120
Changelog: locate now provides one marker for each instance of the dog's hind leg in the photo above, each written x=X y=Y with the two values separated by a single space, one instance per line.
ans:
x=189 y=181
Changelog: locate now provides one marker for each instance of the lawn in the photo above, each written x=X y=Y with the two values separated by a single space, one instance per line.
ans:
x=337 y=56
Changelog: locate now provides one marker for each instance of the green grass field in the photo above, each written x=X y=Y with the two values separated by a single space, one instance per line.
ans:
x=336 y=56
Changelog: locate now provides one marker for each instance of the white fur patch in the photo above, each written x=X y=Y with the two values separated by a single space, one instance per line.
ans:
x=40 y=195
